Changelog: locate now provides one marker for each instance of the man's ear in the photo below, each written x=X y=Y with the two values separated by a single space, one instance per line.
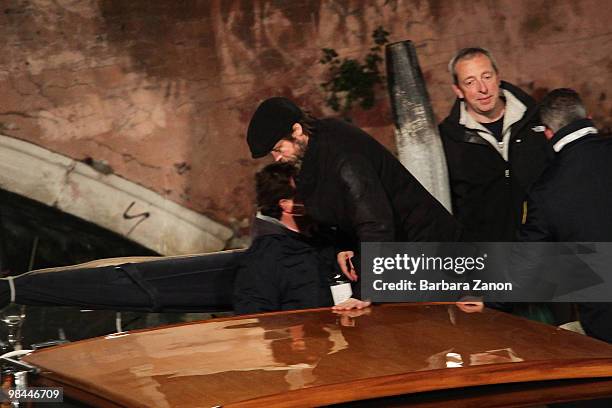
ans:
x=286 y=205
x=296 y=130
x=548 y=133
x=458 y=92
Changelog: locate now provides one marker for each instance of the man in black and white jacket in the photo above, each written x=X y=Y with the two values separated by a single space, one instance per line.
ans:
x=492 y=148
x=572 y=199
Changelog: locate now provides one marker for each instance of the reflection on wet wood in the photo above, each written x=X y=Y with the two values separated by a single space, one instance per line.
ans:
x=317 y=357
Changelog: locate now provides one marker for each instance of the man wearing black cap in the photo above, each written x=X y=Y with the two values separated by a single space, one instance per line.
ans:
x=348 y=180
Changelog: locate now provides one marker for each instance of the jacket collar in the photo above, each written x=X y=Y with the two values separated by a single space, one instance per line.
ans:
x=522 y=108
x=572 y=132
x=514 y=111
x=265 y=225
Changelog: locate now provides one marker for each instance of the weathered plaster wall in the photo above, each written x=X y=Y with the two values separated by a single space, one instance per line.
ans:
x=162 y=90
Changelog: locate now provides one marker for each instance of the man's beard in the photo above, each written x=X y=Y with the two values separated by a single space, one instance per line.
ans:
x=300 y=150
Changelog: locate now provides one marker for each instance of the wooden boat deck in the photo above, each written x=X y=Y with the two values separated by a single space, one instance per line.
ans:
x=423 y=352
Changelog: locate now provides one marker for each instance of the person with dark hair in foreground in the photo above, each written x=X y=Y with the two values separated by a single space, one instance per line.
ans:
x=290 y=264
x=347 y=180
x=571 y=202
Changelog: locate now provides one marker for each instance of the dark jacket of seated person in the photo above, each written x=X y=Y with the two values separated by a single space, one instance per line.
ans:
x=283 y=270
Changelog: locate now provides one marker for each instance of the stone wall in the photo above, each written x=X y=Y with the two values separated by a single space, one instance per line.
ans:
x=161 y=91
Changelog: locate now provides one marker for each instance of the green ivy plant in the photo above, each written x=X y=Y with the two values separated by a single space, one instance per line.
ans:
x=351 y=81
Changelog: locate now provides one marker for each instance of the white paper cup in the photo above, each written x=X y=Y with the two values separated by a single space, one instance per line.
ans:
x=341 y=292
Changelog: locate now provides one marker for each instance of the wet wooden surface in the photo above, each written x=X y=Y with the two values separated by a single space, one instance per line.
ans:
x=318 y=357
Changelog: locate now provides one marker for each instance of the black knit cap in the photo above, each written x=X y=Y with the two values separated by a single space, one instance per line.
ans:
x=270 y=123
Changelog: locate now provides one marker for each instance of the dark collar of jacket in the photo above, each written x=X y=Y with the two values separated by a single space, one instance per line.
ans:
x=264 y=225
x=572 y=132
x=459 y=133
x=289 y=243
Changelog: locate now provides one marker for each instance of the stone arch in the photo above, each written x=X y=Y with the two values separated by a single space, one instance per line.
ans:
x=106 y=200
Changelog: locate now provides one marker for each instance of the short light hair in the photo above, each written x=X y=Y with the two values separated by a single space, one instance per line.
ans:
x=560 y=108
x=468 y=53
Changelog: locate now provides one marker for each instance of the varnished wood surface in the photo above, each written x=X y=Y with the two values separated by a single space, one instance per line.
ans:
x=532 y=394
x=317 y=357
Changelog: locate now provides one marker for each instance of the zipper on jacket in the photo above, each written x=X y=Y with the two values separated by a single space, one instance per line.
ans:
x=507 y=173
